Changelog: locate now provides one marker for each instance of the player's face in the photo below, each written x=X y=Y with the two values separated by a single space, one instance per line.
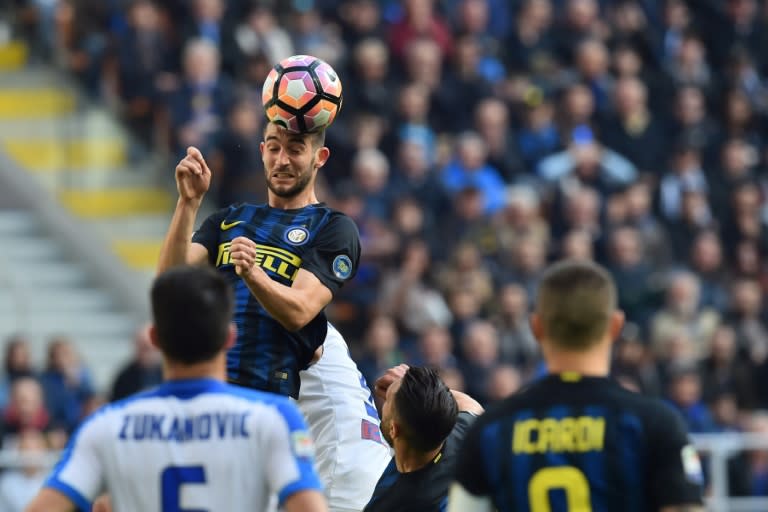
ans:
x=290 y=161
x=387 y=412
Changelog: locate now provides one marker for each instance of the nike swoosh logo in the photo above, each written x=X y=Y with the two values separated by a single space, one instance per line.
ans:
x=229 y=225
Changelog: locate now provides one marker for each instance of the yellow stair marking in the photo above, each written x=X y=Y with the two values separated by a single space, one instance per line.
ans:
x=13 y=56
x=46 y=155
x=35 y=103
x=138 y=254
x=116 y=202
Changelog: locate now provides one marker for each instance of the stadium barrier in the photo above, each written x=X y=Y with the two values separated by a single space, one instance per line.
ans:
x=719 y=448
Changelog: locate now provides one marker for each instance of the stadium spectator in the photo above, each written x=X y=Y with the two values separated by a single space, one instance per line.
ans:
x=198 y=108
x=505 y=380
x=67 y=384
x=684 y=392
x=682 y=313
x=142 y=372
x=516 y=343
x=19 y=485
x=25 y=410
x=435 y=349
x=382 y=348
x=144 y=57
x=725 y=371
x=17 y=363
x=480 y=351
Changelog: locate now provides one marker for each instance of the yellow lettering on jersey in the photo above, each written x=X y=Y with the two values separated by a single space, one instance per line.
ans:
x=223 y=257
x=273 y=259
x=569 y=434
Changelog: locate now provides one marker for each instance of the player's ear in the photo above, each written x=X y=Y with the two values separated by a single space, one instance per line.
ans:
x=231 y=336
x=394 y=430
x=616 y=325
x=321 y=156
x=152 y=332
x=536 y=328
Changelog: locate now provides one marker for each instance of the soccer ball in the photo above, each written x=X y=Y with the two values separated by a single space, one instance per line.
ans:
x=302 y=93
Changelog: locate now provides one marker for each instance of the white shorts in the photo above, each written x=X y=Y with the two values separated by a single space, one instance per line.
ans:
x=337 y=404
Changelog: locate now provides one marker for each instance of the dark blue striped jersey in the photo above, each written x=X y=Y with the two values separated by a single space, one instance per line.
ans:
x=574 y=443
x=316 y=238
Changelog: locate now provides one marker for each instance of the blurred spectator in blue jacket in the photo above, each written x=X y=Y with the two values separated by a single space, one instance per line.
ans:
x=67 y=383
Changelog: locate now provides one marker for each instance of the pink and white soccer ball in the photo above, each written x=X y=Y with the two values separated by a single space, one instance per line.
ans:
x=302 y=93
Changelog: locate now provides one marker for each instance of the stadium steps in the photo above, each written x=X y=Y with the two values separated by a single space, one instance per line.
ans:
x=82 y=155
x=44 y=292
x=81 y=231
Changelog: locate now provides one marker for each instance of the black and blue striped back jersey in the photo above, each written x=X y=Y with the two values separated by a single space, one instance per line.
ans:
x=316 y=238
x=572 y=443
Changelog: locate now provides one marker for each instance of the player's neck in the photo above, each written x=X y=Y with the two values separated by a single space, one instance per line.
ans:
x=408 y=460
x=215 y=369
x=593 y=362
x=301 y=200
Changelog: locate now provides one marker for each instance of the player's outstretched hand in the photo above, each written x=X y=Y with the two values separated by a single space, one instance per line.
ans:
x=390 y=376
x=242 y=254
x=193 y=177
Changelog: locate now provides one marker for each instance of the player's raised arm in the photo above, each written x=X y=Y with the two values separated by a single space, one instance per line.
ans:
x=193 y=178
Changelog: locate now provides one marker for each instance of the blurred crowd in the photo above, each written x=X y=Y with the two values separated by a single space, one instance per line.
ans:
x=480 y=140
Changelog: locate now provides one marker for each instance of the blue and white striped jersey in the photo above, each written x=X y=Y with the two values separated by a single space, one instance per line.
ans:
x=196 y=444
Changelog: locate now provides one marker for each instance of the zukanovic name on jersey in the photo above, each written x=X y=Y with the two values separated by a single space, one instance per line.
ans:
x=189 y=444
x=571 y=442
x=316 y=238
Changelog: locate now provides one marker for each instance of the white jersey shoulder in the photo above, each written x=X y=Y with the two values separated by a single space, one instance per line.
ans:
x=195 y=444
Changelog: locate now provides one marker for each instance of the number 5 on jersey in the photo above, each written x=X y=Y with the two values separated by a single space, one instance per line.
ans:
x=171 y=480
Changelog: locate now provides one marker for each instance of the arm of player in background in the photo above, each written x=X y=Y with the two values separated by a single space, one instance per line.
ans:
x=467 y=404
x=293 y=306
x=50 y=500
x=193 y=178
x=460 y=500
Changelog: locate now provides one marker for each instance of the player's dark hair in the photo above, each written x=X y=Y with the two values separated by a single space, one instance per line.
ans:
x=316 y=138
x=425 y=408
x=192 y=308
x=575 y=302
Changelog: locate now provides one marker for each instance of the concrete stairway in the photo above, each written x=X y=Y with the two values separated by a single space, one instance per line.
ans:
x=77 y=155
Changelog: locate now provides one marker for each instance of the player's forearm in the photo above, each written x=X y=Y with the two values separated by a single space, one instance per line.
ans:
x=682 y=508
x=175 y=248
x=283 y=303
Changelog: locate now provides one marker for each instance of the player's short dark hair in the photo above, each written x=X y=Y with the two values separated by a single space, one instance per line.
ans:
x=425 y=408
x=192 y=308
x=575 y=302
x=316 y=138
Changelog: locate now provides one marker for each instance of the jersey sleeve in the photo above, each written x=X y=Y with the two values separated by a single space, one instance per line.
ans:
x=291 y=455
x=79 y=473
x=335 y=252
x=470 y=473
x=675 y=473
x=207 y=234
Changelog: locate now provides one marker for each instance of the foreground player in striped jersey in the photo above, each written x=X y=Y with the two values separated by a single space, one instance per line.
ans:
x=195 y=442
x=286 y=259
